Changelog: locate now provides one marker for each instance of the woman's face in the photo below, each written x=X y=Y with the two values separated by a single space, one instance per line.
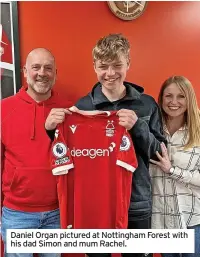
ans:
x=174 y=101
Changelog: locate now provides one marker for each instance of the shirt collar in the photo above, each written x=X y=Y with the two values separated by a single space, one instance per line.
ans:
x=183 y=128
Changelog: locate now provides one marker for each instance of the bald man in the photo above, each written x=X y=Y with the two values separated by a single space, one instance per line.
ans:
x=29 y=188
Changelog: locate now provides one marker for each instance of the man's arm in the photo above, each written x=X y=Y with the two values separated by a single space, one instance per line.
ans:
x=2 y=156
x=2 y=168
x=148 y=137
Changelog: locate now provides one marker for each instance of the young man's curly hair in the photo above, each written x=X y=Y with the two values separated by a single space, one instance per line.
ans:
x=111 y=47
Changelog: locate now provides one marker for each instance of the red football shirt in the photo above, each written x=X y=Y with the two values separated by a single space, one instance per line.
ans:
x=94 y=159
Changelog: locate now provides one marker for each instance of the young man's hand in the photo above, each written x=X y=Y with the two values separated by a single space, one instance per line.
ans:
x=57 y=116
x=127 y=118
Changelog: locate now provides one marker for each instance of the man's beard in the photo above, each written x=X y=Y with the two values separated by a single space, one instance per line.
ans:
x=40 y=89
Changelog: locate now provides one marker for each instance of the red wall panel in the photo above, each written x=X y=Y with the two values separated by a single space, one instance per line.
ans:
x=165 y=40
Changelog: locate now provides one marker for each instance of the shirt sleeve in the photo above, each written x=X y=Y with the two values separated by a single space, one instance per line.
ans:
x=189 y=178
x=126 y=156
x=61 y=160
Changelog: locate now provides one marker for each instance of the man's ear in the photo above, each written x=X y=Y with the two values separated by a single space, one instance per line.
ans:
x=128 y=64
x=25 y=71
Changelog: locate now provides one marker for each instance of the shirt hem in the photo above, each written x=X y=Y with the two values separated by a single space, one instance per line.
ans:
x=24 y=208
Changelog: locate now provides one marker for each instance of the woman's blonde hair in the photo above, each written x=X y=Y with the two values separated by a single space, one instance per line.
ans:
x=192 y=114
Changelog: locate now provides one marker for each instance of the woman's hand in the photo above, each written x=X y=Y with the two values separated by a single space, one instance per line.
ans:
x=164 y=162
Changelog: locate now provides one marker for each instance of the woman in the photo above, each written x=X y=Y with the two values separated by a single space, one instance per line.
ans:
x=176 y=176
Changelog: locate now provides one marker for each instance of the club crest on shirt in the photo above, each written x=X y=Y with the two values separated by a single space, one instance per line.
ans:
x=125 y=144
x=59 y=150
x=110 y=128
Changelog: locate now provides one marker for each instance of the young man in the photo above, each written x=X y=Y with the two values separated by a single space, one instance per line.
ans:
x=29 y=188
x=137 y=112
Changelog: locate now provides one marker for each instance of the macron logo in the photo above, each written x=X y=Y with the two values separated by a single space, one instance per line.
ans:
x=73 y=128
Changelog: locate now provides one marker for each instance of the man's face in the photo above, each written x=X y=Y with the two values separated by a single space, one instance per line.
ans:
x=40 y=72
x=112 y=74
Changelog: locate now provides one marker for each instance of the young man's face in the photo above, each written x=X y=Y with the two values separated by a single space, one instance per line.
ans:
x=112 y=74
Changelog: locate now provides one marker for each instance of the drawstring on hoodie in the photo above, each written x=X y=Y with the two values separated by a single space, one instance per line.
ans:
x=34 y=119
x=33 y=124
